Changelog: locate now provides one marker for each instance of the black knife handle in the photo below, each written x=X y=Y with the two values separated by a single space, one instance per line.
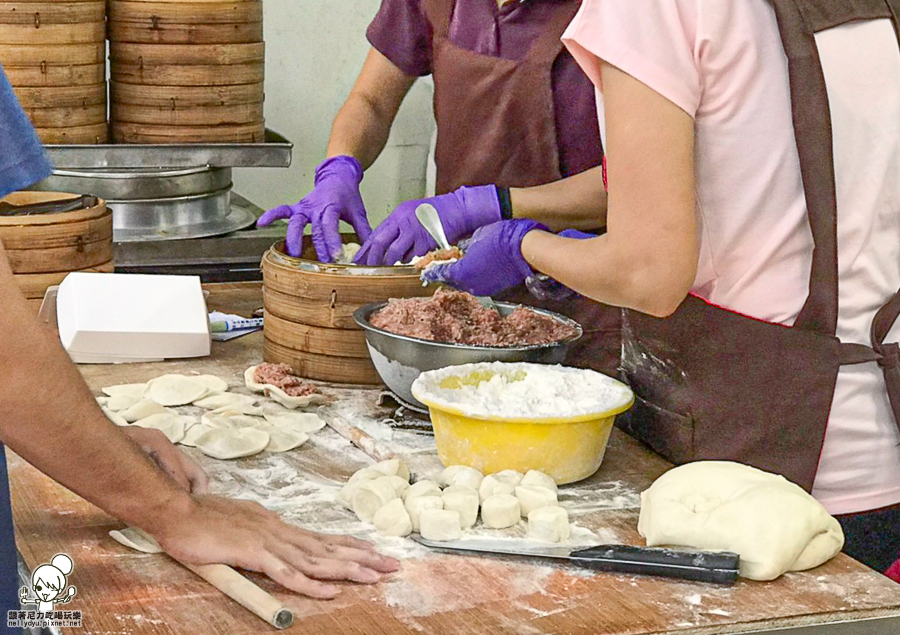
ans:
x=706 y=566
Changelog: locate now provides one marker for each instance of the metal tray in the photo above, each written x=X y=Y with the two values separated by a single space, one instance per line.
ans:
x=274 y=152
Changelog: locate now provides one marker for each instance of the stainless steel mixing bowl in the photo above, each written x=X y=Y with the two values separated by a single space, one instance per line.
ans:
x=400 y=359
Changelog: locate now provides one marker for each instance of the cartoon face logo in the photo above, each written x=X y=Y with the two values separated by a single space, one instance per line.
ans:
x=48 y=582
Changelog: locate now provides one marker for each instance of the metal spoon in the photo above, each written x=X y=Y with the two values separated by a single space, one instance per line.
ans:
x=428 y=218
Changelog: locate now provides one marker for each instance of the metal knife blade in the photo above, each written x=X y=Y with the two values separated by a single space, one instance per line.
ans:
x=704 y=566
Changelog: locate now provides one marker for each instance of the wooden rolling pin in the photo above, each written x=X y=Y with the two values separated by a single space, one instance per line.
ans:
x=356 y=436
x=221 y=576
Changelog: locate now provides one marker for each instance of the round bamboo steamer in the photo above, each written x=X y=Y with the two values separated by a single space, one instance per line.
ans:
x=60 y=96
x=55 y=74
x=40 y=14
x=67 y=116
x=181 y=97
x=31 y=55
x=123 y=132
x=72 y=258
x=342 y=370
x=56 y=235
x=82 y=135
x=188 y=75
x=159 y=15
x=84 y=33
x=337 y=316
x=246 y=32
x=34 y=285
x=316 y=339
x=191 y=116
x=188 y=54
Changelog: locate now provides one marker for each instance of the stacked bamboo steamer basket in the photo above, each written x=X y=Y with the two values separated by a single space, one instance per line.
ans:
x=43 y=248
x=186 y=72
x=54 y=54
x=308 y=322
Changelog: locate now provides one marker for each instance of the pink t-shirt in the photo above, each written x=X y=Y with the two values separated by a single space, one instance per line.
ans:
x=723 y=63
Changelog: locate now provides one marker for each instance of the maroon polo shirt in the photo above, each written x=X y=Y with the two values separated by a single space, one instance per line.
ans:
x=402 y=34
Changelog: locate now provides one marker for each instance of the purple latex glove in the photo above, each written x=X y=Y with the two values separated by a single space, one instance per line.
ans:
x=577 y=234
x=334 y=197
x=400 y=236
x=544 y=287
x=493 y=260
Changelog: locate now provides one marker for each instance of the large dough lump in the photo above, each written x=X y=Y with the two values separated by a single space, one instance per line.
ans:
x=770 y=522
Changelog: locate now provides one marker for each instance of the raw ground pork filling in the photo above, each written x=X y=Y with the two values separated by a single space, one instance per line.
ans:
x=457 y=317
x=280 y=375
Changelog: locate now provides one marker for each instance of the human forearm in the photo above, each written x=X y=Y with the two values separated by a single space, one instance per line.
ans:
x=576 y=202
x=51 y=419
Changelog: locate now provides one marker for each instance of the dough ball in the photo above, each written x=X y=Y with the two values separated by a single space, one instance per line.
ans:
x=393 y=519
x=399 y=484
x=550 y=524
x=500 y=511
x=532 y=497
x=370 y=497
x=539 y=479
x=174 y=390
x=359 y=477
x=418 y=504
x=393 y=467
x=422 y=488
x=461 y=475
x=500 y=483
x=463 y=500
x=773 y=524
x=223 y=443
x=439 y=524
x=141 y=410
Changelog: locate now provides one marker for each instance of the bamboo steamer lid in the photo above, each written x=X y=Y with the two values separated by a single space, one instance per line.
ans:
x=145 y=133
x=66 y=117
x=187 y=54
x=55 y=74
x=84 y=33
x=188 y=75
x=97 y=133
x=40 y=14
x=181 y=97
x=35 y=55
x=343 y=370
x=237 y=33
x=34 y=285
x=60 y=96
x=162 y=14
x=190 y=116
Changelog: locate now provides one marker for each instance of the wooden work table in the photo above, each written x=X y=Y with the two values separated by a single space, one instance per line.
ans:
x=120 y=591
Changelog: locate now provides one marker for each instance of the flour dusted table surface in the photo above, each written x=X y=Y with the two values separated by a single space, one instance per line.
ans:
x=120 y=591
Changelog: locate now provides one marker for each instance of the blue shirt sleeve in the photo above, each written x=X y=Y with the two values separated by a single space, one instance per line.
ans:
x=22 y=158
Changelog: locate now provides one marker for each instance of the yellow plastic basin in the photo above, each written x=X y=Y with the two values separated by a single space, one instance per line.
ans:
x=567 y=448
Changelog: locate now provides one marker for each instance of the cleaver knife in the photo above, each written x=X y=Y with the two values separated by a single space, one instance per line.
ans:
x=720 y=567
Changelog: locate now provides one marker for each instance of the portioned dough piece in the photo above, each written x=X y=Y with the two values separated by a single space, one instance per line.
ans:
x=463 y=500
x=193 y=433
x=370 y=497
x=500 y=511
x=119 y=403
x=504 y=482
x=300 y=421
x=393 y=466
x=539 y=479
x=773 y=524
x=348 y=491
x=283 y=440
x=212 y=383
x=461 y=475
x=365 y=474
x=223 y=443
x=174 y=390
x=532 y=497
x=550 y=524
x=115 y=417
x=418 y=504
x=142 y=409
x=424 y=487
x=223 y=400
x=170 y=424
x=393 y=519
x=136 y=390
x=439 y=524
x=399 y=484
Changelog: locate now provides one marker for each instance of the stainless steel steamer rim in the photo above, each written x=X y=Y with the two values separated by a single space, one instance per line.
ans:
x=138 y=183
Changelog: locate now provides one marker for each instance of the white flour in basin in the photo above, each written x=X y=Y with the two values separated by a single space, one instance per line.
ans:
x=536 y=391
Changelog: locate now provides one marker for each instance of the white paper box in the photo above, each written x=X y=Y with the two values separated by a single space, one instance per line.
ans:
x=117 y=317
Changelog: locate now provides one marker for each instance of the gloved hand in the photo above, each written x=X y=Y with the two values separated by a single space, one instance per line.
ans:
x=400 y=236
x=577 y=234
x=493 y=259
x=544 y=287
x=334 y=197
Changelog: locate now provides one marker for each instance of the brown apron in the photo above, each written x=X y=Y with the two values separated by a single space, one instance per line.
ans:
x=501 y=129
x=713 y=384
